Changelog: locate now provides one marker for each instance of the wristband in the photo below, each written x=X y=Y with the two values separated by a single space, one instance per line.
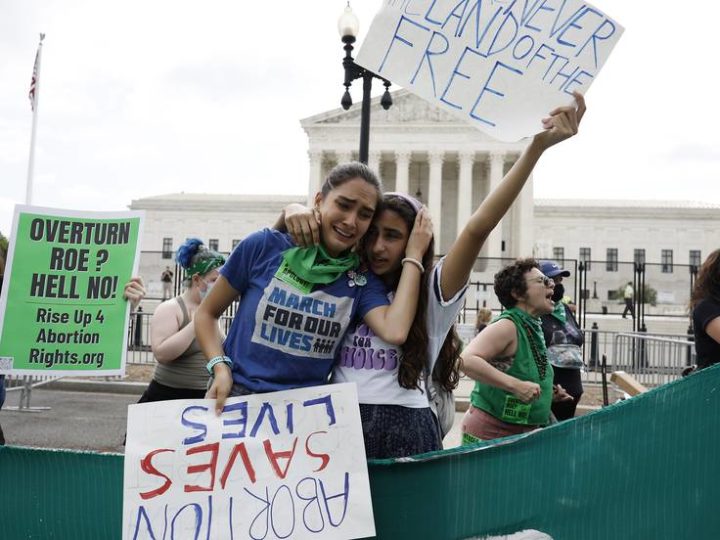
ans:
x=415 y=263
x=217 y=360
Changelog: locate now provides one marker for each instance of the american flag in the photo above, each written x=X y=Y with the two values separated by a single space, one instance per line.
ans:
x=35 y=76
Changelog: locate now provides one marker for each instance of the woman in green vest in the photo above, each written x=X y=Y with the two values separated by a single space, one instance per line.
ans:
x=508 y=360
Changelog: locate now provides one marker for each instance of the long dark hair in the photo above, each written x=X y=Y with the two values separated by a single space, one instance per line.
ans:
x=707 y=283
x=415 y=349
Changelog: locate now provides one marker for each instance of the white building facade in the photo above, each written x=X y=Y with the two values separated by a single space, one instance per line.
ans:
x=221 y=221
x=421 y=150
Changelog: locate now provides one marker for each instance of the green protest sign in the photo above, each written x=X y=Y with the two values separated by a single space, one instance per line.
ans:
x=62 y=308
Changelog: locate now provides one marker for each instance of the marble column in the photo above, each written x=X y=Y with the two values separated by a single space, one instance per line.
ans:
x=435 y=159
x=374 y=162
x=525 y=220
x=464 y=196
x=316 y=179
x=402 y=171
x=343 y=156
x=494 y=241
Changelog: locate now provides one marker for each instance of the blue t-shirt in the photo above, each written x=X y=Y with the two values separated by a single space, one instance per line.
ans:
x=282 y=337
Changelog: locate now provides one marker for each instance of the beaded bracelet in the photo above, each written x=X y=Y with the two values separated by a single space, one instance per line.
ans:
x=415 y=263
x=217 y=360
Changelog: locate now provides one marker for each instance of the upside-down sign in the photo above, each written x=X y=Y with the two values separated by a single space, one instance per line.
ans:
x=283 y=465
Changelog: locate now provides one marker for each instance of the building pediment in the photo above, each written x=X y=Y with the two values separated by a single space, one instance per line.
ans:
x=407 y=109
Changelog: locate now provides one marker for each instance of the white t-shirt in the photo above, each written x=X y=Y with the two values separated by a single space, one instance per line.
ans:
x=373 y=364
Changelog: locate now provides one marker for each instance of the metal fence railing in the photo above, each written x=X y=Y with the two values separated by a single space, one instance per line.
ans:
x=652 y=359
x=24 y=385
x=139 y=350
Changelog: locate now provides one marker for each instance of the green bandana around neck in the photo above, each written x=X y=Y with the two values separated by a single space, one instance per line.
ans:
x=559 y=311
x=533 y=324
x=315 y=265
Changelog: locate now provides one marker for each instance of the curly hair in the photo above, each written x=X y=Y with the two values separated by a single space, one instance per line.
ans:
x=511 y=279
x=413 y=360
x=707 y=283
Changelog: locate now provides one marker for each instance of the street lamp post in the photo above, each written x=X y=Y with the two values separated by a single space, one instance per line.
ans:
x=348 y=26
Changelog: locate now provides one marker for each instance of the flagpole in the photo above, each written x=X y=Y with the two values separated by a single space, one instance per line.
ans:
x=34 y=102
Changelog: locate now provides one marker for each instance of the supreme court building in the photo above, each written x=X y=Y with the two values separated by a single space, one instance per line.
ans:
x=451 y=166
x=422 y=150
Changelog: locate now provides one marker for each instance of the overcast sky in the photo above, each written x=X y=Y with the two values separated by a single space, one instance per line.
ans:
x=141 y=98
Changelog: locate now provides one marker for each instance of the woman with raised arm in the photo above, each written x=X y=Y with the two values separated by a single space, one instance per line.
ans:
x=296 y=304
x=392 y=383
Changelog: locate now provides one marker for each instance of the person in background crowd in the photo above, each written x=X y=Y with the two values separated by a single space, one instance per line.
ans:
x=628 y=294
x=484 y=316
x=564 y=341
x=705 y=306
x=166 y=279
x=508 y=360
x=180 y=371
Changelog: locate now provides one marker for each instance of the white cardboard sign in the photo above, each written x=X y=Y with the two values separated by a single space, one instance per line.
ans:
x=282 y=465
x=502 y=65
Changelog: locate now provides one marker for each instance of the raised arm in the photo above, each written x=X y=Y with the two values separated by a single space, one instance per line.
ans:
x=497 y=341
x=210 y=339
x=560 y=125
x=392 y=323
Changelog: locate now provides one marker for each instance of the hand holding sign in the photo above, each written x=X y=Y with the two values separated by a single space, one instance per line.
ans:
x=221 y=386
x=280 y=465
x=562 y=123
x=61 y=310
x=134 y=291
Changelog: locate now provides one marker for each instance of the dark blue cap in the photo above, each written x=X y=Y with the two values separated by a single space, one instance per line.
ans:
x=552 y=269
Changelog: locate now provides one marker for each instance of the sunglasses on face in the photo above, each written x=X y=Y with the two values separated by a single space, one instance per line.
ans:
x=548 y=282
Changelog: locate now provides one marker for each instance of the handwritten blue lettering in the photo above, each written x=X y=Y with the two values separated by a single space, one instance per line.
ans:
x=324 y=400
x=194 y=425
x=265 y=410
x=456 y=71
x=529 y=42
x=574 y=24
x=403 y=40
x=598 y=35
x=312 y=514
x=487 y=89
x=426 y=56
x=510 y=32
x=241 y=420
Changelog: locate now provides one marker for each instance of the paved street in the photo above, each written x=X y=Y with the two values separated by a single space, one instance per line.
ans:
x=86 y=420
x=78 y=420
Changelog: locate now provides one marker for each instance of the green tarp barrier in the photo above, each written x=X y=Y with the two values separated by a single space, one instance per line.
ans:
x=641 y=469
